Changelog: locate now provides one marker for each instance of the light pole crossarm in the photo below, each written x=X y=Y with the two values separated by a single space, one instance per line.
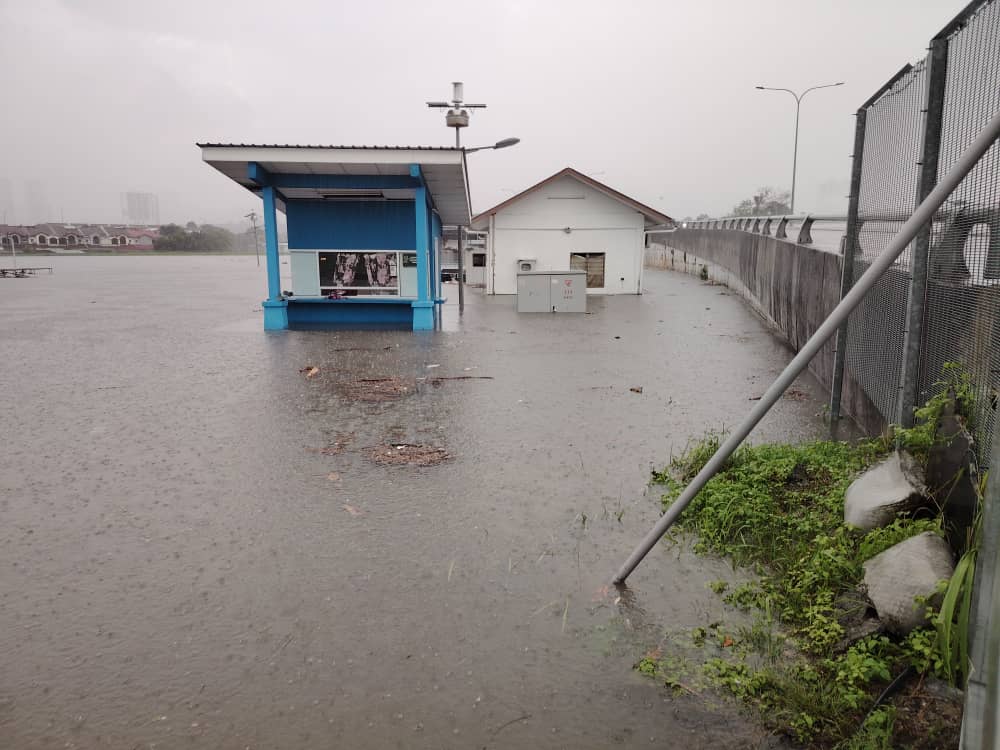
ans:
x=771 y=88
x=795 y=147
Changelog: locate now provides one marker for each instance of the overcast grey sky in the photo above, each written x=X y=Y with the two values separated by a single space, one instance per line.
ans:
x=656 y=99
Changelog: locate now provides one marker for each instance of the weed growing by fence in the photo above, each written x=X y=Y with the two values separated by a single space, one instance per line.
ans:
x=778 y=509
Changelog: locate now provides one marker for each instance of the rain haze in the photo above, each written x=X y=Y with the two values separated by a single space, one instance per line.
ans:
x=654 y=98
x=300 y=454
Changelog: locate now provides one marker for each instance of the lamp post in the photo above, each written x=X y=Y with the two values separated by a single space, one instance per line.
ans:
x=461 y=251
x=795 y=149
x=256 y=245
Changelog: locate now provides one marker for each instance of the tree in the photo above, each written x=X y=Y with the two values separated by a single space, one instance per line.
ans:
x=208 y=239
x=766 y=201
x=215 y=239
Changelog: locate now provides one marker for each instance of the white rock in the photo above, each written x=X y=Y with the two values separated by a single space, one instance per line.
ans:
x=911 y=569
x=876 y=497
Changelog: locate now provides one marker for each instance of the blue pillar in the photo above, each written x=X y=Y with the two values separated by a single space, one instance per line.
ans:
x=423 y=306
x=436 y=241
x=275 y=307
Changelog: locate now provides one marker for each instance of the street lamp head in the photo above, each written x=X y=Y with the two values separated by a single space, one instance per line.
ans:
x=759 y=87
x=499 y=144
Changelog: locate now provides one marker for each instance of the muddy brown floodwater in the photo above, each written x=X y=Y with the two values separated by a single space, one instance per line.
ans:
x=197 y=549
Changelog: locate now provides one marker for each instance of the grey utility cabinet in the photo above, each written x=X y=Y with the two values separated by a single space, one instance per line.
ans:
x=551 y=291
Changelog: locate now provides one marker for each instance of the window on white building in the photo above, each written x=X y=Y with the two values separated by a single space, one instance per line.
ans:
x=593 y=264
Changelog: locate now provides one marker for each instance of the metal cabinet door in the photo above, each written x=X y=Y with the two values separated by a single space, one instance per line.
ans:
x=533 y=293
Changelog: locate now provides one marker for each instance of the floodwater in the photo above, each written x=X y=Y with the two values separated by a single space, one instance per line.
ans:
x=183 y=565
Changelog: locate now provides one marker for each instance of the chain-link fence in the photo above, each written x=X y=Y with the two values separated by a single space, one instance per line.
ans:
x=941 y=302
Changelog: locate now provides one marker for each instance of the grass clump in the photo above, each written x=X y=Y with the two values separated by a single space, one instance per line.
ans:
x=778 y=509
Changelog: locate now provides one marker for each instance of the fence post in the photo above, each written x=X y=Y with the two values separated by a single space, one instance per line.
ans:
x=909 y=376
x=847 y=271
x=979 y=726
x=853 y=243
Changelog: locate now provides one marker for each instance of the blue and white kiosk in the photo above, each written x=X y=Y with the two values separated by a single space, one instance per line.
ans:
x=364 y=228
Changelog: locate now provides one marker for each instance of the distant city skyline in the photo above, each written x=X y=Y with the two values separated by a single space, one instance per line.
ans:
x=140 y=208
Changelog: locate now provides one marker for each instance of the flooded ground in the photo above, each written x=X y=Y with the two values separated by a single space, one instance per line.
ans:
x=199 y=549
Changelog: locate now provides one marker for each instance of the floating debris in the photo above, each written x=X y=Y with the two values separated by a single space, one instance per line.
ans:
x=339 y=444
x=352 y=510
x=395 y=454
x=438 y=380
x=310 y=371
x=636 y=389
x=375 y=390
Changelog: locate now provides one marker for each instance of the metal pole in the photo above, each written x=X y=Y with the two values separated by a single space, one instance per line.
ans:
x=909 y=376
x=795 y=150
x=923 y=214
x=847 y=272
x=461 y=270
x=256 y=242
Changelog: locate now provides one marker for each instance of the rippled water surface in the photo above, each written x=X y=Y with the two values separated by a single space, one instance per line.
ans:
x=196 y=550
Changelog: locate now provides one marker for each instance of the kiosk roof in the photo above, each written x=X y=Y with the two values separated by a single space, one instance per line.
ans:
x=443 y=169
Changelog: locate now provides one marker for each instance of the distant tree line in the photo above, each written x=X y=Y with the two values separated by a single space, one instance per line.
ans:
x=766 y=201
x=194 y=239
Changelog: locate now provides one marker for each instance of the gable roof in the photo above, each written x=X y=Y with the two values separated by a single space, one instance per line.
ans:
x=652 y=216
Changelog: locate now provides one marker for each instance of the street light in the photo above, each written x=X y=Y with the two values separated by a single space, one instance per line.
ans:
x=461 y=251
x=499 y=144
x=795 y=151
x=256 y=246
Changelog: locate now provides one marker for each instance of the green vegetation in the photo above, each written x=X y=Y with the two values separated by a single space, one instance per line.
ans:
x=206 y=239
x=778 y=510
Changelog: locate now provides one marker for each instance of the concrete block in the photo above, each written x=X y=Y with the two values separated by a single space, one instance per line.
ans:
x=893 y=486
x=911 y=569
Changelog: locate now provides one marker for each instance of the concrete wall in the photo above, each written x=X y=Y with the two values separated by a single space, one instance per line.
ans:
x=793 y=287
x=534 y=227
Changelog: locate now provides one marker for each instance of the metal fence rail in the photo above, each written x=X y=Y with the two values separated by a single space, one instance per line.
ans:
x=941 y=303
x=962 y=296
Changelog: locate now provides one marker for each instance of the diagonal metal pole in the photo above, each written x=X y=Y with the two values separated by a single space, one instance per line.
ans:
x=923 y=214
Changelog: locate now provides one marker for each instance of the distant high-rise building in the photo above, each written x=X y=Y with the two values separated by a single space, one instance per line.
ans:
x=37 y=202
x=141 y=208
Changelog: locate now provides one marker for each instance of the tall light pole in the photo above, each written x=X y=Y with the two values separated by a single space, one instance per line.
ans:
x=256 y=246
x=461 y=251
x=795 y=149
